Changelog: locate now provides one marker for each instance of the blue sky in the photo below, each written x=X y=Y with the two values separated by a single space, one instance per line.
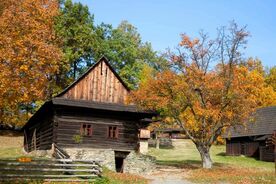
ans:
x=162 y=21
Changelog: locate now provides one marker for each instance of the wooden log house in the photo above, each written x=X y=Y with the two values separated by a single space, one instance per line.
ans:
x=90 y=113
x=252 y=140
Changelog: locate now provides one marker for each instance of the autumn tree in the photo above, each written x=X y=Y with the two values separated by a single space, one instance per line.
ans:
x=270 y=78
x=269 y=73
x=29 y=55
x=207 y=89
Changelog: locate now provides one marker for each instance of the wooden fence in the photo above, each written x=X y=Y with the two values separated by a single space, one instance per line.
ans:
x=59 y=153
x=50 y=170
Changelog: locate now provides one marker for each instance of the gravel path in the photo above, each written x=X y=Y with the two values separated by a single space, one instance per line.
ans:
x=168 y=175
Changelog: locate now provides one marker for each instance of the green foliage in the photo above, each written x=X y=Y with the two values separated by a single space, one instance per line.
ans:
x=78 y=138
x=75 y=27
x=127 y=53
x=84 y=43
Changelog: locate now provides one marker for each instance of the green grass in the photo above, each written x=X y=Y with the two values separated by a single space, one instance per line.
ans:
x=185 y=156
x=218 y=155
x=10 y=153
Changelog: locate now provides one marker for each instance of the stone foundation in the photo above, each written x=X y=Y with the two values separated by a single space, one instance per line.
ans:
x=105 y=156
x=39 y=153
x=138 y=163
x=133 y=162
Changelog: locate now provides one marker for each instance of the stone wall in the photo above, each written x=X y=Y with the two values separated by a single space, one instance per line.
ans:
x=138 y=163
x=105 y=156
x=133 y=163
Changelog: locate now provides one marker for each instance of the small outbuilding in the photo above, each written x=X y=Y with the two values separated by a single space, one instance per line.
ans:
x=91 y=119
x=252 y=140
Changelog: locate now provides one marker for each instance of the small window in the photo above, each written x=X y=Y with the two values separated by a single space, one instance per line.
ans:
x=86 y=130
x=113 y=132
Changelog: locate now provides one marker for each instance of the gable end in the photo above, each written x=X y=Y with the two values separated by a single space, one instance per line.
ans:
x=100 y=83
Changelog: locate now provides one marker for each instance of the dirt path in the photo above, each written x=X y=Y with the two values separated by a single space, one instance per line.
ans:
x=168 y=175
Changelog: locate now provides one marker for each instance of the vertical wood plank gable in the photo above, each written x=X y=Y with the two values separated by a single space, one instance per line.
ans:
x=100 y=85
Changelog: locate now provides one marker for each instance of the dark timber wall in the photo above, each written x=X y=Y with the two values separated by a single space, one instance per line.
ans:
x=248 y=147
x=39 y=134
x=69 y=125
x=242 y=146
x=267 y=153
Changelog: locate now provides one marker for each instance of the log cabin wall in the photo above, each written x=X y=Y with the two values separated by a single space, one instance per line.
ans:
x=233 y=148
x=252 y=149
x=39 y=135
x=69 y=125
x=242 y=146
x=99 y=84
x=267 y=153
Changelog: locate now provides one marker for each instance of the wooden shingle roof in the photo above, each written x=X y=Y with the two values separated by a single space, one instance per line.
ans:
x=264 y=124
x=98 y=105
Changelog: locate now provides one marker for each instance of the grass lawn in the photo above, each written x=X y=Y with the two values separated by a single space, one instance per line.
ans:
x=233 y=169
x=11 y=144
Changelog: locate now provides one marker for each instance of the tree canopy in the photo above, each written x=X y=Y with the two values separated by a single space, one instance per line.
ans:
x=84 y=43
x=126 y=52
x=75 y=27
x=204 y=100
x=29 y=56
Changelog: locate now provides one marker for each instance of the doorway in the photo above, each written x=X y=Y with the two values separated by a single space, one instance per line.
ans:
x=120 y=160
x=119 y=163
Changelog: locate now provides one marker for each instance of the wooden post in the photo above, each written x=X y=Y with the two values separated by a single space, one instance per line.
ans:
x=157 y=146
x=26 y=144
x=34 y=139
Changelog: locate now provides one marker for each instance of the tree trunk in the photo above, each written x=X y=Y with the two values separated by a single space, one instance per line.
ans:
x=157 y=141
x=204 y=151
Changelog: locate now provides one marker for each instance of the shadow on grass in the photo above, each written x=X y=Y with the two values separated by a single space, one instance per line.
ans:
x=186 y=164
x=221 y=154
x=11 y=133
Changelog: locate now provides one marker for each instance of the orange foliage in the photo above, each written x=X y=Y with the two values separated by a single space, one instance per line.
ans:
x=205 y=100
x=232 y=175
x=201 y=102
x=29 y=54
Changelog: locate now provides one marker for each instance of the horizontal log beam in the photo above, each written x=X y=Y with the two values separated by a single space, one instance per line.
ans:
x=47 y=176
x=50 y=180
x=46 y=165
x=51 y=170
